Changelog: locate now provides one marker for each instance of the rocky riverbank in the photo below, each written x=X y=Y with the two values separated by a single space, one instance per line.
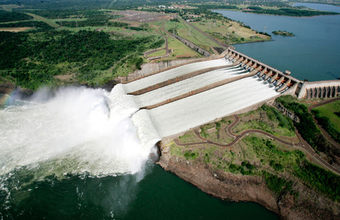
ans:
x=236 y=187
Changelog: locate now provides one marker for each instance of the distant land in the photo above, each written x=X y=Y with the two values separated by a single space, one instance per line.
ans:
x=251 y=156
x=283 y=33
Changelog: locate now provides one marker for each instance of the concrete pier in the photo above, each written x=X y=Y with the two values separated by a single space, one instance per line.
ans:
x=282 y=81
x=319 y=89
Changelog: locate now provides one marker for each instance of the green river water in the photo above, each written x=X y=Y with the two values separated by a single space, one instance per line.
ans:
x=159 y=194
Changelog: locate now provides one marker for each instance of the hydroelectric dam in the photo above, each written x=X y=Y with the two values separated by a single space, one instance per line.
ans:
x=184 y=97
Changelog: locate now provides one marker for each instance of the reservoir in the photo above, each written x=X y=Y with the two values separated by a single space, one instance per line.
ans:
x=312 y=54
x=55 y=162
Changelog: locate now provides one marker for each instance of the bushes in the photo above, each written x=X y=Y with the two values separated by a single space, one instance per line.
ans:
x=277 y=184
x=34 y=59
x=42 y=26
x=306 y=127
x=275 y=115
x=276 y=166
x=322 y=180
x=327 y=125
x=189 y=155
x=13 y=16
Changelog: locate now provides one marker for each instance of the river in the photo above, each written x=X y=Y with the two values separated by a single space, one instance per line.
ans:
x=83 y=154
x=85 y=177
x=312 y=54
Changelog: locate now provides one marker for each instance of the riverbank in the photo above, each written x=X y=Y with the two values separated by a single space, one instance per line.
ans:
x=268 y=169
x=227 y=186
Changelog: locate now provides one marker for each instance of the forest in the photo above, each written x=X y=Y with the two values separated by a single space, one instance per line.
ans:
x=6 y=16
x=33 y=59
x=307 y=127
x=327 y=125
x=287 y=12
x=39 y=25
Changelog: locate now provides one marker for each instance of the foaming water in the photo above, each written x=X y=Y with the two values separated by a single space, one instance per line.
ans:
x=182 y=87
x=78 y=131
x=199 y=109
x=172 y=73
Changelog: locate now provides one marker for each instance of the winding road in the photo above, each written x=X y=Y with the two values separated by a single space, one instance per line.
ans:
x=301 y=144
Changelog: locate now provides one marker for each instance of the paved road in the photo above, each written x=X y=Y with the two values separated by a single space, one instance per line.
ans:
x=301 y=144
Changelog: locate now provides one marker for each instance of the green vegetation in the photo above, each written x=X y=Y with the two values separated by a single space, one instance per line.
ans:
x=268 y=119
x=189 y=155
x=327 y=125
x=283 y=33
x=258 y=155
x=274 y=115
x=329 y=119
x=13 y=16
x=42 y=26
x=33 y=59
x=95 y=20
x=186 y=31
x=277 y=184
x=322 y=180
x=62 y=14
x=287 y=11
x=189 y=137
x=306 y=127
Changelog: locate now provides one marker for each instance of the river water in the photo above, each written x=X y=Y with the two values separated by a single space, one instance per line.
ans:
x=313 y=53
x=83 y=153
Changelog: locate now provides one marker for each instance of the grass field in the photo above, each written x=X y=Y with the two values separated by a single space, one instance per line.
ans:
x=158 y=53
x=47 y=21
x=16 y=29
x=269 y=120
x=180 y=50
x=9 y=7
x=184 y=30
x=329 y=111
x=229 y=32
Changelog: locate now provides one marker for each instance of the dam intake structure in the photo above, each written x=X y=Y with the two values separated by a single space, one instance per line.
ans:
x=188 y=96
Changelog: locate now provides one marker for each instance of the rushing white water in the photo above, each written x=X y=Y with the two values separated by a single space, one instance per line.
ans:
x=79 y=130
x=172 y=73
x=186 y=86
x=199 y=109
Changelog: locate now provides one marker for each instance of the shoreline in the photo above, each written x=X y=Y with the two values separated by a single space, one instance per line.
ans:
x=334 y=13
x=236 y=188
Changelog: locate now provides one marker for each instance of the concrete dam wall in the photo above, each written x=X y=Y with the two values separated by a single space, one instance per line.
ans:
x=282 y=81
x=188 y=96
x=320 y=89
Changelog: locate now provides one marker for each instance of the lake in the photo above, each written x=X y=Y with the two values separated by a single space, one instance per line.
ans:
x=312 y=54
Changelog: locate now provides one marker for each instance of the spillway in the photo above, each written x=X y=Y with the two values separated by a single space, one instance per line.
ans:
x=172 y=73
x=78 y=131
x=187 y=85
x=199 y=109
